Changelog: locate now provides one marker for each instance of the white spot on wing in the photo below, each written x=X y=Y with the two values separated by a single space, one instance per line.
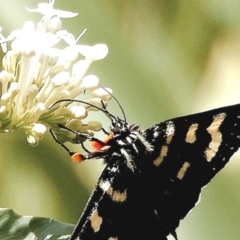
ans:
x=170 y=128
x=114 y=169
x=155 y=134
x=104 y=185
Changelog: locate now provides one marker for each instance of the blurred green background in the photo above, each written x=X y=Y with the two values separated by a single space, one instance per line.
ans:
x=167 y=58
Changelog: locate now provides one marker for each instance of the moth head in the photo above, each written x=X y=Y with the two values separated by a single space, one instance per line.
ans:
x=119 y=127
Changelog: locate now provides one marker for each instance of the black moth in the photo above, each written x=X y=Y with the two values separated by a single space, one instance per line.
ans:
x=153 y=178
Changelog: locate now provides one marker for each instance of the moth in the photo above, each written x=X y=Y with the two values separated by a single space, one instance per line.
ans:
x=154 y=177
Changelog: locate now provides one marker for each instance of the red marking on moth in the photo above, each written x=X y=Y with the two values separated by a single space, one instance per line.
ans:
x=97 y=145
x=77 y=157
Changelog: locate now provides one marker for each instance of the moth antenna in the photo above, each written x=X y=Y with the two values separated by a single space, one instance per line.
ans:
x=120 y=106
x=104 y=110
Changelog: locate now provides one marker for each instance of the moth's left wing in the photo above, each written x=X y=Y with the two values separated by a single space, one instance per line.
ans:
x=116 y=210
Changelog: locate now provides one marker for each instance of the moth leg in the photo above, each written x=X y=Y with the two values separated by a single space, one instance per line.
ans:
x=74 y=155
x=105 y=131
x=84 y=135
x=61 y=144
x=103 y=105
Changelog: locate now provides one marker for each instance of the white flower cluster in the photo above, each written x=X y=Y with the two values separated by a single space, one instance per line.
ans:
x=35 y=74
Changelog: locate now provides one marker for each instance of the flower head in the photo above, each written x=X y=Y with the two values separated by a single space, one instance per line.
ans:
x=35 y=74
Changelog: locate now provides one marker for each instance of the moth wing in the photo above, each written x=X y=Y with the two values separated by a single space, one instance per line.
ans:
x=117 y=210
x=188 y=152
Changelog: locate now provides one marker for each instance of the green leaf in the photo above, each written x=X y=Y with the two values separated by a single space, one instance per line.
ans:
x=14 y=226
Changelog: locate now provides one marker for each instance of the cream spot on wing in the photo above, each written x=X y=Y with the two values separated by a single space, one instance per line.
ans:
x=169 y=139
x=163 y=153
x=95 y=220
x=113 y=238
x=210 y=154
x=117 y=196
x=183 y=170
x=164 y=149
x=191 y=134
x=216 y=136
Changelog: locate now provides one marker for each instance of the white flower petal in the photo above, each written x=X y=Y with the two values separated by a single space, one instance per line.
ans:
x=68 y=54
x=32 y=140
x=67 y=37
x=35 y=133
x=38 y=111
x=95 y=125
x=100 y=51
x=74 y=124
x=78 y=112
x=55 y=96
x=94 y=53
x=65 y=14
x=5 y=97
x=89 y=82
x=47 y=9
x=103 y=93
x=36 y=73
x=54 y=25
x=78 y=71
x=32 y=91
x=3 y=112
x=14 y=88
x=61 y=78
x=66 y=112
x=4 y=79
x=95 y=102
x=2 y=109
x=39 y=128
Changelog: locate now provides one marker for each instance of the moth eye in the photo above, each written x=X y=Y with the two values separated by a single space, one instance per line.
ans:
x=116 y=130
